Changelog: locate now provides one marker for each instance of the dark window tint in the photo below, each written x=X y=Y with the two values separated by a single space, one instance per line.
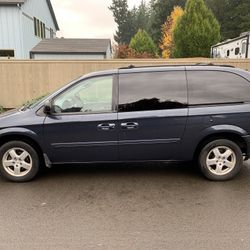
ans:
x=35 y=26
x=39 y=28
x=211 y=87
x=228 y=53
x=237 y=51
x=152 y=91
x=7 y=53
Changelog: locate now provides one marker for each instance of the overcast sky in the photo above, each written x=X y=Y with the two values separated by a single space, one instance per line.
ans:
x=86 y=18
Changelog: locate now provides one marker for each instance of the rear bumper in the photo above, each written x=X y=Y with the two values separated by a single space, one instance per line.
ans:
x=247 y=140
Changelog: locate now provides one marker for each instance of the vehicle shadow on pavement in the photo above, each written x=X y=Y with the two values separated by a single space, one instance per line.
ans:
x=123 y=169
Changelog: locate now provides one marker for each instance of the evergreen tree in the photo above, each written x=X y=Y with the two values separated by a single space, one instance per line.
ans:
x=129 y=21
x=244 y=16
x=233 y=16
x=196 y=31
x=123 y=19
x=143 y=43
x=142 y=17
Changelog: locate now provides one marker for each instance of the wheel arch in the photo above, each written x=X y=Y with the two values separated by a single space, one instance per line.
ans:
x=24 y=138
x=234 y=137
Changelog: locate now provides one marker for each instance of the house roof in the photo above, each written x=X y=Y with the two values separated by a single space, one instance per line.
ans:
x=52 y=14
x=12 y=2
x=62 y=45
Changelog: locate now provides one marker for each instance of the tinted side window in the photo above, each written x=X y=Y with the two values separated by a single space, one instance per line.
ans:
x=152 y=91
x=211 y=87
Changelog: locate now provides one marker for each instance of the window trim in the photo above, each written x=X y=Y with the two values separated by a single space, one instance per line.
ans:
x=114 y=97
x=217 y=104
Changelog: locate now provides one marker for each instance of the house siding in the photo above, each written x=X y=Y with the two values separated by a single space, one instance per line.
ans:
x=17 y=26
x=29 y=38
x=68 y=56
x=40 y=10
x=11 y=30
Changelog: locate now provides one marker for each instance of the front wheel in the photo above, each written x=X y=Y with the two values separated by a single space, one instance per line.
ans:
x=19 y=161
x=220 y=160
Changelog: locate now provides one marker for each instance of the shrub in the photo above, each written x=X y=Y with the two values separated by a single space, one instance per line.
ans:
x=123 y=51
x=1 y=109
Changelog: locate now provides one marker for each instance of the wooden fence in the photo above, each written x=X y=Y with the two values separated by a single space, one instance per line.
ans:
x=21 y=81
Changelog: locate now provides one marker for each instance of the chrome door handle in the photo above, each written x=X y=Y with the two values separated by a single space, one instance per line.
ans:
x=130 y=125
x=106 y=126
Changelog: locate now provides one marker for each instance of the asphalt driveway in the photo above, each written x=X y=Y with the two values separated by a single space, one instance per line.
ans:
x=134 y=206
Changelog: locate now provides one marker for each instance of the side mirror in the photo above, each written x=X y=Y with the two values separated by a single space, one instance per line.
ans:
x=47 y=108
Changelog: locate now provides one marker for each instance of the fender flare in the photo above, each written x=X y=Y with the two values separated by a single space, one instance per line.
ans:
x=217 y=129
x=19 y=131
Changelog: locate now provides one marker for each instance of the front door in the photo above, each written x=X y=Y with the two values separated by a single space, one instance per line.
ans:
x=152 y=114
x=83 y=126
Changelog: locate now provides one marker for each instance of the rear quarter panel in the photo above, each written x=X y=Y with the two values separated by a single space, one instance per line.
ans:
x=205 y=121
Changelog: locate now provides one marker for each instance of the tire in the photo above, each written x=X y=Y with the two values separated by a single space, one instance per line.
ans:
x=220 y=160
x=19 y=162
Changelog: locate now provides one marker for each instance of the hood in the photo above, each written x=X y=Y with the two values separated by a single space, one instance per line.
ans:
x=8 y=113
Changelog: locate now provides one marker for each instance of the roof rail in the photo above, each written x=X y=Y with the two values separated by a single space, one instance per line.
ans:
x=177 y=65
x=153 y=66
x=131 y=66
x=211 y=64
x=225 y=65
x=204 y=64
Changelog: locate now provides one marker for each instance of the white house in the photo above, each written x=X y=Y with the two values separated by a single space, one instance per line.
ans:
x=237 y=48
x=72 y=49
x=23 y=24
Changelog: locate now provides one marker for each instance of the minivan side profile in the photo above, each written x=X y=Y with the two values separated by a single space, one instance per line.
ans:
x=163 y=113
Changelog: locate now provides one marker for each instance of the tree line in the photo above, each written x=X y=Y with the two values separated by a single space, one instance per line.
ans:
x=177 y=28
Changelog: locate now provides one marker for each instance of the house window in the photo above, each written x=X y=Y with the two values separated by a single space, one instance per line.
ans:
x=244 y=47
x=228 y=53
x=237 y=51
x=35 y=26
x=51 y=33
x=7 y=53
x=39 y=28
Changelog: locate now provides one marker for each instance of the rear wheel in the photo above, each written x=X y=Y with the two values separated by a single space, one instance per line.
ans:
x=220 y=160
x=19 y=161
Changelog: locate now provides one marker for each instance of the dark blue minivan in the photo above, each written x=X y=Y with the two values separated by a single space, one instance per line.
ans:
x=163 y=113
